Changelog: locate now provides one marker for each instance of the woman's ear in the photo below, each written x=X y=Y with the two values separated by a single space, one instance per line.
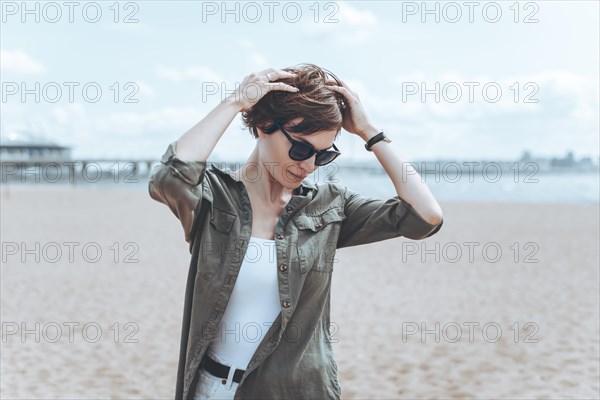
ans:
x=259 y=132
x=267 y=124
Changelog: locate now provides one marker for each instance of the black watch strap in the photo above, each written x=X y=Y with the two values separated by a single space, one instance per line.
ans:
x=377 y=138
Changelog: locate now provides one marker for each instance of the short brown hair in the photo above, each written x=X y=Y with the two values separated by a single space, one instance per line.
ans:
x=321 y=108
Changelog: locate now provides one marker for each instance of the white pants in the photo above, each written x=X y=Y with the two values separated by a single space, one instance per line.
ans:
x=211 y=387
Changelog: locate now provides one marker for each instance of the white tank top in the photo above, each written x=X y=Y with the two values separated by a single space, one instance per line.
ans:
x=253 y=307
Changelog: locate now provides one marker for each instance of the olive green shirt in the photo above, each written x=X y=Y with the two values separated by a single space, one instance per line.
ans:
x=295 y=359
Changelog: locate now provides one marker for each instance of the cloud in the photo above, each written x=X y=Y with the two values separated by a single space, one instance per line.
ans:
x=254 y=57
x=345 y=25
x=133 y=124
x=68 y=113
x=582 y=91
x=198 y=74
x=117 y=134
x=532 y=94
x=19 y=62
x=355 y=17
x=130 y=27
x=567 y=107
x=258 y=60
x=146 y=89
x=246 y=44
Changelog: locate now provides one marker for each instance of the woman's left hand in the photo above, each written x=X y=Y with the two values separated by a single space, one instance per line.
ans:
x=355 y=120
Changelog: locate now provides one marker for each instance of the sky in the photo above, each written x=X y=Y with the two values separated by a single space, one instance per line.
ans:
x=444 y=80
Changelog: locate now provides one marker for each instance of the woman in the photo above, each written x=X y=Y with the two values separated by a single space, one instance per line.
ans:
x=256 y=322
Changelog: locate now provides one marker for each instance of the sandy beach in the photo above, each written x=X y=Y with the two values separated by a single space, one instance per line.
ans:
x=93 y=282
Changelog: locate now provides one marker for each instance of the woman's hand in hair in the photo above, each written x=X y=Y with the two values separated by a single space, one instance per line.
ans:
x=257 y=84
x=355 y=120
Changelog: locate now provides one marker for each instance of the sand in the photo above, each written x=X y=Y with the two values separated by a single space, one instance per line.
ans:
x=541 y=318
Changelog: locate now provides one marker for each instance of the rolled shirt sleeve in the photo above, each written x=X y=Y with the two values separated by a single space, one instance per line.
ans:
x=371 y=220
x=178 y=184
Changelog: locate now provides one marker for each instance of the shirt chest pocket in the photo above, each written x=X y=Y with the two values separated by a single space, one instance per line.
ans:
x=222 y=220
x=317 y=238
x=319 y=221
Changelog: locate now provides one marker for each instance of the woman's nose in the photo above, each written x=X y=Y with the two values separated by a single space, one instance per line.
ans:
x=308 y=166
x=308 y=163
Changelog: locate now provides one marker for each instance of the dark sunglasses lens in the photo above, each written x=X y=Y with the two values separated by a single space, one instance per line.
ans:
x=326 y=158
x=301 y=152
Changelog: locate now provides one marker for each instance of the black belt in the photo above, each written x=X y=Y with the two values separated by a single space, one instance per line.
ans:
x=220 y=370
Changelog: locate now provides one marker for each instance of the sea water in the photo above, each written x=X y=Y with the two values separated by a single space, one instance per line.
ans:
x=549 y=187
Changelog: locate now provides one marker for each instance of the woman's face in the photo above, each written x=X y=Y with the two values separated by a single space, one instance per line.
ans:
x=274 y=154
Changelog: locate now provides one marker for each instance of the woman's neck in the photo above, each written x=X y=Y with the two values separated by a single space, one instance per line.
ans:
x=266 y=188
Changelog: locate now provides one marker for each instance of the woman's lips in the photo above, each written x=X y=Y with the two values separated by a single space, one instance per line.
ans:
x=296 y=177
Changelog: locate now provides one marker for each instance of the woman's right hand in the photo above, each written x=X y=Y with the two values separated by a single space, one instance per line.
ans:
x=258 y=84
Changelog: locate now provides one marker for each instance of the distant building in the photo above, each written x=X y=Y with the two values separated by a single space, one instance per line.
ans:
x=566 y=162
x=22 y=145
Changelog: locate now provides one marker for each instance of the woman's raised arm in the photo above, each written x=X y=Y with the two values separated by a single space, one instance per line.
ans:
x=198 y=143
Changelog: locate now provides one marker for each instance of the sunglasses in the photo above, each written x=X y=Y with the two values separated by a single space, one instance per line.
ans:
x=303 y=151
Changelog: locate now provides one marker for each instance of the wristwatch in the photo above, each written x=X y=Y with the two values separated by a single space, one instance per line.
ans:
x=377 y=138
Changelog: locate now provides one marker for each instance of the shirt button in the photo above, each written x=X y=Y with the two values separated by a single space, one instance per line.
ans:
x=290 y=209
x=286 y=304
x=279 y=237
x=319 y=225
x=282 y=267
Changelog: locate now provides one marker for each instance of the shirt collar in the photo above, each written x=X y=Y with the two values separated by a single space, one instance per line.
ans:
x=304 y=189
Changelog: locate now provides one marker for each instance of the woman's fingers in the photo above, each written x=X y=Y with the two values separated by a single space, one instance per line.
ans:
x=258 y=84
x=331 y=82
x=273 y=74
x=281 y=86
x=348 y=88
x=345 y=92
